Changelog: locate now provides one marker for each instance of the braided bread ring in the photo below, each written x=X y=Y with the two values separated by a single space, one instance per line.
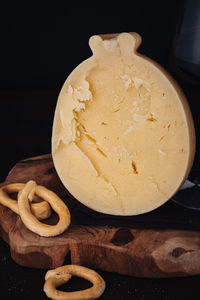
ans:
x=62 y=274
x=41 y=210
x=56 y=203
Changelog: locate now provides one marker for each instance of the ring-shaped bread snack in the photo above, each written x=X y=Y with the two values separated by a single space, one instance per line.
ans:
x=41 y=210
x=62 y=274
x=56 y=203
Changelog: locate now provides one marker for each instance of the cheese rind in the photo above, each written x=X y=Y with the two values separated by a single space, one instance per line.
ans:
x=123 y=139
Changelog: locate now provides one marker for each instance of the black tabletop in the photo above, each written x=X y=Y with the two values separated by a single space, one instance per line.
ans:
x=40 y=46
x=17 y=282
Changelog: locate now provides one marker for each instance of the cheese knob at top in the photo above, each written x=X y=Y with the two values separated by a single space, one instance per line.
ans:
x=123 y=138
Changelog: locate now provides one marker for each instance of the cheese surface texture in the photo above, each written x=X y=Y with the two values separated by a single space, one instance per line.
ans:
x=123 y=139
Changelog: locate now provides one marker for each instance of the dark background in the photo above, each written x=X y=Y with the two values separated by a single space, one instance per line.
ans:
x=40 y=44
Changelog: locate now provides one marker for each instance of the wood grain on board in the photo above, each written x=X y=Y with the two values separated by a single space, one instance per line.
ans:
x=129 y=251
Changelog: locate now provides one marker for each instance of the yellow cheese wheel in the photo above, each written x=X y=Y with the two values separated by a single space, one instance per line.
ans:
x=123 y=138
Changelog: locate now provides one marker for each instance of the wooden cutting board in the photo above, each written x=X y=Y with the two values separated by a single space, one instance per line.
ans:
x=135 y=252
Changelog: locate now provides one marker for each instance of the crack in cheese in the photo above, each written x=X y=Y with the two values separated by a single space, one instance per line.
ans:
x=123 y=138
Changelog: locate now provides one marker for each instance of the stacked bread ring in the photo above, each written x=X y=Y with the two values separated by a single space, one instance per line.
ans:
x=41 y=210
x=31 y=213
x=31 y=210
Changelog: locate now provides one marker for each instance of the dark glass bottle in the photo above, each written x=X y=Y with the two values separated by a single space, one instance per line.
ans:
x=185 y=67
